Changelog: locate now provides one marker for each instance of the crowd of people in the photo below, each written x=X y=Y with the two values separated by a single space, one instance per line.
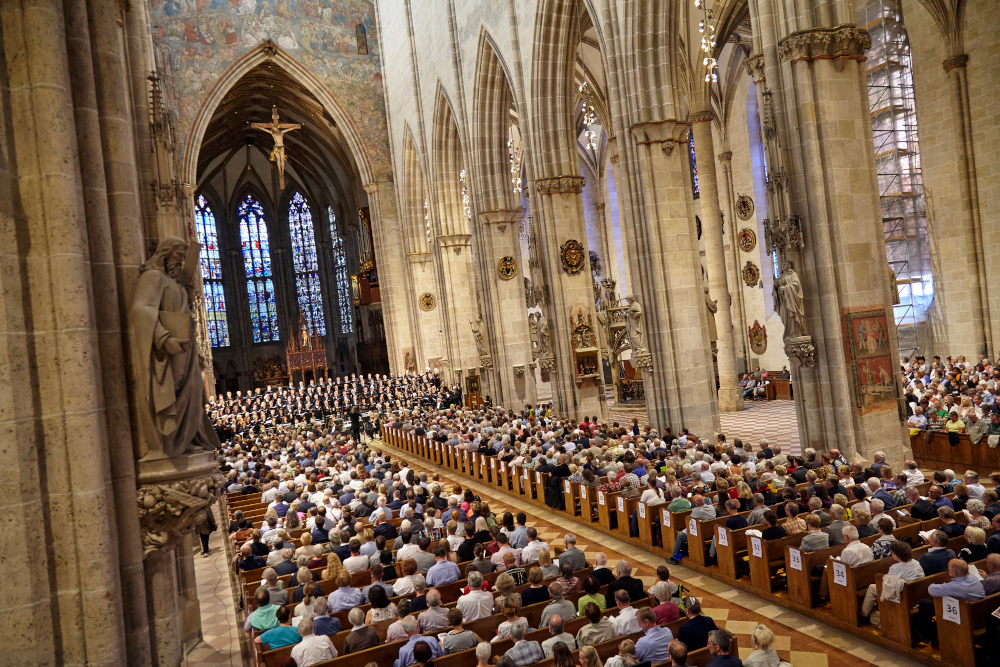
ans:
x=954 y=396
x=343 y=494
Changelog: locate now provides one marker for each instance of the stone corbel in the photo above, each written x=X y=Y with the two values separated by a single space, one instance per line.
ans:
x=547 y=362
x=666 y=133
x=420 y=257
x=643 y=361
x=845 y=42
x=802 y=349
x=486 y=362
x=560 y=185
x=455 y=241
x=173 y=496
x=519 y=371
x=532 y=366
x=784 y=235
x=755 y=67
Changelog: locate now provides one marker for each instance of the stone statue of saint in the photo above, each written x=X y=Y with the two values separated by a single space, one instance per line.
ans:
x=543 y=335
x=636 y=330
x=410 y=363
x=306 y=341
x=789 y=302
x=169 y=386
x=713 y=307
x=477 y=332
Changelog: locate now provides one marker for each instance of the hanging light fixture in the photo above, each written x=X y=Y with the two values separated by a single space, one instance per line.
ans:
x=427 y=220
x=466 y=203
x=515 y=166
x=707 y=29
x=589 y=115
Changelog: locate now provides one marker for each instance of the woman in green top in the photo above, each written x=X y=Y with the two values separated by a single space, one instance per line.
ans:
x=591 y=587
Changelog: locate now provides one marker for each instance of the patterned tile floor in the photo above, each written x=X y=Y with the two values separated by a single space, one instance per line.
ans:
x=774 y=420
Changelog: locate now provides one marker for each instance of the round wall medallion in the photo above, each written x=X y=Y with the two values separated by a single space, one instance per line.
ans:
x=747 y=239
x=744 y=207
x=427 y=301
x=572 y=255
x=507 y=267
x=751 y=274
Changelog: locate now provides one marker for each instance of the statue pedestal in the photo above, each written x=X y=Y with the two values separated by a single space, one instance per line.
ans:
x=166 y=470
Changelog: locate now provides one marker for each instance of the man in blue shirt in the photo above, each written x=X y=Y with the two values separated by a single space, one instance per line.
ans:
x=938 y=556
x=519 y=538
x=346 y=596
x=413 y=632
x=654 y=645
x=281 y=635
x=443 y=571
x=962 y=586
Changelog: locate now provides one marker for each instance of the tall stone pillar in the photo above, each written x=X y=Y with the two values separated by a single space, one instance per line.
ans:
x=663 y=244
x=570 y=309
x=974 y=263
x=827 y=230
x=510 y=351
x=730 y=397
x=728 y=199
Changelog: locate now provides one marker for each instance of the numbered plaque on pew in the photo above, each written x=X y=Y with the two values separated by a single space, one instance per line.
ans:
x=794 y=559
x=541 y=479
x=723 y=540
x=569 y=497
x=606 y=516
x=645 y=524
x=756 y=548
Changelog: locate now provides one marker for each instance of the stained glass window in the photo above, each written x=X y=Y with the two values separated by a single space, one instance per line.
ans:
x=340 y=273
x=694 y=166
x=211 y=273
x=257 y=262
x=300 y=228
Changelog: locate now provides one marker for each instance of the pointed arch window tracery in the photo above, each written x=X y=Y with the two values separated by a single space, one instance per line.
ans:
x=257 y=263
x=211 y=273
x=340 y=276
x=307 y=286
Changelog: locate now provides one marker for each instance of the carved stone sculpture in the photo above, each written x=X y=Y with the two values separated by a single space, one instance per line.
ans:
x=478 y=334
x=543 y=335
x=169 y=386
x=170 y=510
x=801 y=348
x=713 y=307
x=789 y=302
x=636 y=326
x=519 y=371
x=410 y=362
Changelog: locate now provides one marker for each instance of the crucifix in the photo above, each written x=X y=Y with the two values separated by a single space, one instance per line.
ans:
x=277 y=130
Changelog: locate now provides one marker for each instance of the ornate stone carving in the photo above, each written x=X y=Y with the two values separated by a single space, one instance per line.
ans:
x=758 y=337
x=955 y=61
x=168 y=379
x=269 y=367
x=270 y=49
x=529 y=293
x=643 y=361
x=548 y=362
x=751 y=274
x=532 y=366
x=802 y=349
x=560 y=185
x=169 y=510
x=755 y=67
x=427 y=301
x=725 y=155
x=486 y=362
x=701 y=117
x=783 y=235
x=846 y=41
x=572 y=255
x=744 y=207
x=409 y=362
x=519 y=371
x=479 y=333
x=747 y=240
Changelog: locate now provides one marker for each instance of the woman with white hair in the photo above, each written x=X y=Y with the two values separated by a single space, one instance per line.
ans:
x=764 y=655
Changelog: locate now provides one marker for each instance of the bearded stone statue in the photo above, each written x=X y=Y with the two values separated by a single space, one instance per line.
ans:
x=169 y=387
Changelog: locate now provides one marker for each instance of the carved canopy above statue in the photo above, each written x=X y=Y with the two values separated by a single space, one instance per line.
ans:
x=306 y=352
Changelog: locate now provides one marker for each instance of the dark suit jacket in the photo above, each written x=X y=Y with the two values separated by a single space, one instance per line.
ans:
x=634 y=587
x=936 y=561
x=603 y=575
x=286 y=567
x=924 y=510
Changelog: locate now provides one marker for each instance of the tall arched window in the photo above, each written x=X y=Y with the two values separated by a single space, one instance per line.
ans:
x=211 y=273
x=340 y=273
x=257 y=261
x=300 y=228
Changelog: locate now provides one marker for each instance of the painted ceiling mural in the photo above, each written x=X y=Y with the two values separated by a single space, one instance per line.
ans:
x=197 y=40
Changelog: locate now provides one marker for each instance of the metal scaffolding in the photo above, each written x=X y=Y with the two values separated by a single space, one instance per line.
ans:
x=897 y=159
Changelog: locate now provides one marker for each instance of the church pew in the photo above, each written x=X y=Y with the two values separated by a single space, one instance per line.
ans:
x=383 y=654
x=647 y=519
x=570 y=491
x=957 y=629
x=587 y=500
x=503 y=476
x=493 y=478
x=541 y=480
x=671 y=524
x=607 y=515
x=766 y=557
x=624 y=508
x=731 y=549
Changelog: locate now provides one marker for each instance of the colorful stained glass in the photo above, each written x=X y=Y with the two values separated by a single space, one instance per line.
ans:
x=211 y=273
x=694 y=167
x=257 y=262
x=300 y=228
x=340 y=273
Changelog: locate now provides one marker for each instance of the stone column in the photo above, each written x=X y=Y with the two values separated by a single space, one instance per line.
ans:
x=728 y=198
x=458 y=301
x=509 y=331
x=972 y=230
x=730 y=397
x=663 y=247
x=561 y=208
x=165 y=612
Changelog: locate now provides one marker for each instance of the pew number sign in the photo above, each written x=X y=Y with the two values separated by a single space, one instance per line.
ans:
x=526 y=477
x=952 y=612
x=723 y=537
x=566 y=485
x=693 y=527
x=642 y=510
x=621 y=504
x=583 y=492
x=538 y=477
x=600 y=497
x=755 y=547
x=840 y=573
x=795 y=559
x=666 y=518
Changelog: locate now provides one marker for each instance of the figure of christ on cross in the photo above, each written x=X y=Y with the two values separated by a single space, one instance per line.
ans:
x=277 y=130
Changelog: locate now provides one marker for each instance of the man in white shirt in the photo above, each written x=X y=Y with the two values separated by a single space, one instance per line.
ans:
x=976 y=490
x=313 y=649
x=913 y=474
x=855 y=553
x=529 y=554
x=356 y=562
x=558 y=634
x=408 y=549
x=878 y=512
x=625 y=622
x=476 y=603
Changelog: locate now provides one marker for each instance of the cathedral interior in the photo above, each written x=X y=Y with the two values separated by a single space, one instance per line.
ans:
x=762 y=220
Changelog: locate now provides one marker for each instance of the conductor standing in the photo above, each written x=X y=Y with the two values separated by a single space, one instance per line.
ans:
x=355 y=424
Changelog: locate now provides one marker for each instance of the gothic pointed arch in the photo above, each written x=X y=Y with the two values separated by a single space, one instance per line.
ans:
x=493 y=100
x=255 y=234
x=420 y=229
x=449 y=169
